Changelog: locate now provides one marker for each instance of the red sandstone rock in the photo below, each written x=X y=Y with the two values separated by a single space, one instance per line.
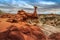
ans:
x=24 y=32
x=54 y=36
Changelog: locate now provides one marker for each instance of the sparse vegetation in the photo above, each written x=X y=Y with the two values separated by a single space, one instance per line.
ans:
x=50 y=19
x=1 y=12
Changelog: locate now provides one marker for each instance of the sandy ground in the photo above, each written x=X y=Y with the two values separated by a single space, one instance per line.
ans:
x=48 y=29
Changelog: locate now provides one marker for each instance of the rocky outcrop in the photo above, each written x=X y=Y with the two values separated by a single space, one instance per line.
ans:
x=24 y=32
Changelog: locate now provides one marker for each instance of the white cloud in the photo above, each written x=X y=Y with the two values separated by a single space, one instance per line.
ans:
x=25 y=4
x=47 y=3
x=2 y=5
x=21 y=4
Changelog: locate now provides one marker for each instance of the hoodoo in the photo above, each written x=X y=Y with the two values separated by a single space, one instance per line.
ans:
x=32 y=15
x=35 y=12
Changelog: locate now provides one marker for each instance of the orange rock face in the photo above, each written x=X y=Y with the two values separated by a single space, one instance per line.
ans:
x=15 y=27
x=22 y=32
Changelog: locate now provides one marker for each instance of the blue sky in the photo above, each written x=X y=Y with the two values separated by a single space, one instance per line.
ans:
x=41 y=4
